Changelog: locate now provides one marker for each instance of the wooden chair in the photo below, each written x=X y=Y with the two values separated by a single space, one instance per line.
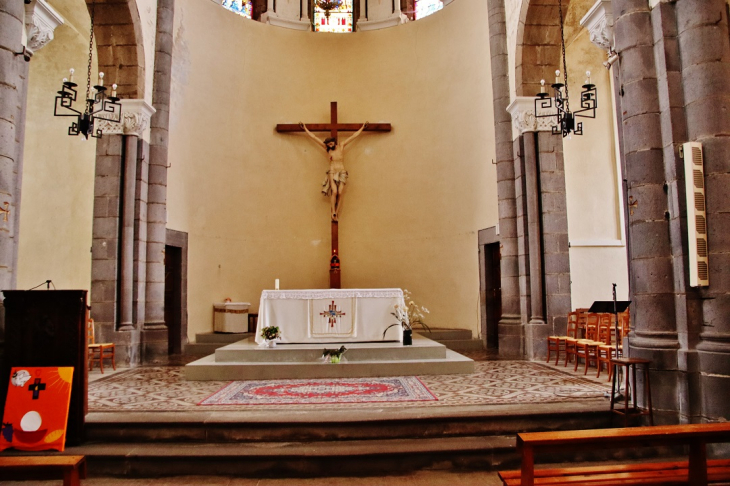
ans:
x=98 y=351
x=582 y=316
x=588 y=348
x=572 y=338
x=558 y=343
x=605 y=351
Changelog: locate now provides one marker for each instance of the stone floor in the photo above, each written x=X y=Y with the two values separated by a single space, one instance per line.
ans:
x=420 y=478
x=164 y=389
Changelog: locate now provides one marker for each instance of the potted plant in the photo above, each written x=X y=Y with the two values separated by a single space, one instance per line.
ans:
x=408 y=316
x=271 y=334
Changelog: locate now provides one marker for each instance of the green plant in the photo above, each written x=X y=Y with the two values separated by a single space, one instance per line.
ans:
x=270 y=333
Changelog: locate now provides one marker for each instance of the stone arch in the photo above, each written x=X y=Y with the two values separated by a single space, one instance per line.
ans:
x=120 y=45
x=537 y=54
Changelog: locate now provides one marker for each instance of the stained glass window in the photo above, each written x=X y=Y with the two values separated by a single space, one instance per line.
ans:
x=424 y=8
x=339 y=21
x=241 y=7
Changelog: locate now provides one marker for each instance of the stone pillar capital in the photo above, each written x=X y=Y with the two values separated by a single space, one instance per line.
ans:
x=40 y=22
x=522 y=110
x=599 y=23
x=136 y=116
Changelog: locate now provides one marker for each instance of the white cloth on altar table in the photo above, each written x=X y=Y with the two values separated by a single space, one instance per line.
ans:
x=331 y=315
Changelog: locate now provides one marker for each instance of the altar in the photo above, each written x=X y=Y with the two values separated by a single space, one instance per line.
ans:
x=331 y=315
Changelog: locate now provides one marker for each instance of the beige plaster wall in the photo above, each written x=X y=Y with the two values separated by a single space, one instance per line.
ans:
x=58 y=170
x=593 y=185
x=249 y=197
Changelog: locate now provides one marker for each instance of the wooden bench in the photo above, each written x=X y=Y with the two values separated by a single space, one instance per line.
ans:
x=72 y=468
x=696 y=471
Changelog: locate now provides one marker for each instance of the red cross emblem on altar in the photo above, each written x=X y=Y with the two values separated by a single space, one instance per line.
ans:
x=332 y=314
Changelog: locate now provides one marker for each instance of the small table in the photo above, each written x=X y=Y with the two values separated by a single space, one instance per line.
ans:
x=629 y=364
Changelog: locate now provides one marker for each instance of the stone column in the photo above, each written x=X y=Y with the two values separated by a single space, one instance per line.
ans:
x=13 y=89
x=113 y=244
x=543 y=232
x=510 y=331
x=23 y=30
x=704 y=48
x=129 y=181
x=140 y=234
x=555 y=243
x=654 y=315
x=155 y=328
x=674 y=132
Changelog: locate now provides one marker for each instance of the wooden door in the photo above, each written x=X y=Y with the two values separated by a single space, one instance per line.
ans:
x=493 y=293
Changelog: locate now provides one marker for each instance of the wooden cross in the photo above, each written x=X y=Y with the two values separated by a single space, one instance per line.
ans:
x=334 y=127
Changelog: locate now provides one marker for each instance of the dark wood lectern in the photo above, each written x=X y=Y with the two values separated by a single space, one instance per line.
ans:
x=48 y=328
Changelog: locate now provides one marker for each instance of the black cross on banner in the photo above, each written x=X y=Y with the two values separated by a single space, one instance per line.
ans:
x=37 y=387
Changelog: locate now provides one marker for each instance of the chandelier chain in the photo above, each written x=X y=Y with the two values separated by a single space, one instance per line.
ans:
x=565 y=66
x=91 y=51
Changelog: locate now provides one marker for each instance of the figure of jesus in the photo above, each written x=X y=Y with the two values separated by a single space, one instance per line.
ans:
x=334 y=185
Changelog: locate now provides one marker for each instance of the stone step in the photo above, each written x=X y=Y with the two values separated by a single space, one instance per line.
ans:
x=294 y=459
x=444 y=334
x=208 y=369
x=202 y=349
x=250 y=352
x=411 y=422
x=463 y=344
x=221 y=337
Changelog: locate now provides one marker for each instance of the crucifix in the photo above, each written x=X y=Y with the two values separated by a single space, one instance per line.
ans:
x=334 y=185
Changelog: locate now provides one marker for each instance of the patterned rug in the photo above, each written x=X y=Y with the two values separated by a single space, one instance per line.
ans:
x=297 y=392
x=164 y=388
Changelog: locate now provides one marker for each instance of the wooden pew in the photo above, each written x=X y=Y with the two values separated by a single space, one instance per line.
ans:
x=71 y=468
x=696 y=471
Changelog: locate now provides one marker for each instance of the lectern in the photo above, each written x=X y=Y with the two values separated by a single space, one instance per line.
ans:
x=48 y=328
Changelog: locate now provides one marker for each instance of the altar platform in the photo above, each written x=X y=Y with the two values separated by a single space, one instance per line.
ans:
x=247 y=360
x=149 y=421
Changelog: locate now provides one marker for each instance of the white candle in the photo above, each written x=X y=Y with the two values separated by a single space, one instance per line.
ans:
x=557 y=76
x=101 y=79
x=276 y=284
x=542 y=86
x=588 y=77
x=114 y=90
x=71 y=75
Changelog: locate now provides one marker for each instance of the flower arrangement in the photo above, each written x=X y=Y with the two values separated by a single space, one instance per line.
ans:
x=270 y=333
x=409 y=315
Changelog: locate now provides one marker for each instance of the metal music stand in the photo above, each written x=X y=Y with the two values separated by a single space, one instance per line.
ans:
x=611 y=307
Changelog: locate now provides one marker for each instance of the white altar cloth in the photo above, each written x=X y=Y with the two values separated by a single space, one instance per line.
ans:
x=330 y=315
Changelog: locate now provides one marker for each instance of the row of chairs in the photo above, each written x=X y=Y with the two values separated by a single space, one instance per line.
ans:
x=590 y=337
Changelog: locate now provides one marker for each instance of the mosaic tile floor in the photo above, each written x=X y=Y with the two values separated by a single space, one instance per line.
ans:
x=164 y=388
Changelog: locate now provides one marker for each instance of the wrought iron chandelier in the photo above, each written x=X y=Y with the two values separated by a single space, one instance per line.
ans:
x=100 y=106
x=566 y=123
x=328 y=5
